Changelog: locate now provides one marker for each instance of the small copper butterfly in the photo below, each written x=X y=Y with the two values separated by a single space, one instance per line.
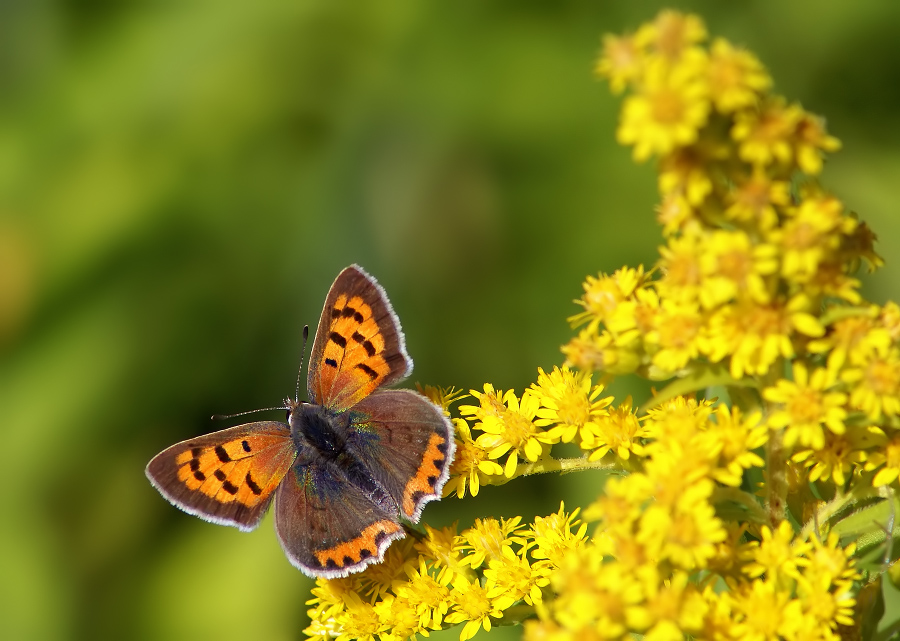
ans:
x=346 y=466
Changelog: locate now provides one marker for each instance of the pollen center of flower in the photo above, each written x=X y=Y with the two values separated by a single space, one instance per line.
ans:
x=882 y=377
x=668 y=107
x=806 y=407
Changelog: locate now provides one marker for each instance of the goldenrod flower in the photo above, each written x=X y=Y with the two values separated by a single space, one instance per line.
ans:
x=807 y=407
x=672 y=34
x=754 y=336
x=735 y=266
x=512 y=578
x=620 y=62
x=472 y=605
x=777 y=556
x=471 y=465
x=765 y=136
x=487 y=539
x=737 y=79
x=811 y=142
x=568 y=403
x=730 y=441
x=676 y=339
x=619 y=431
x=551 y=537
x=756 y=198
x=511 y=430
x=875 y=383
x=886 y=460
x=669 y=110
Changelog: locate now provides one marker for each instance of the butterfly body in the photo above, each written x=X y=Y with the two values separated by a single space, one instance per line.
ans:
x=346 y=467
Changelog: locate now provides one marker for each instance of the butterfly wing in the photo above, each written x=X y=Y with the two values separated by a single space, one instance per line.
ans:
x=407 y=444
x=226 y=477
x=359 y=345
x=327 y=524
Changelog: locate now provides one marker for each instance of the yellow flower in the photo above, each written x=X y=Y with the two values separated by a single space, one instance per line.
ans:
x=755 y=336
x=851 y=339
x=763 y=611
x=603 y=294
x=675 y=606
x=875 y=383
x=811 y=141
x=620 y=62
x=512 y=578
x=568 y=403
x=685 y=532
x=836 y=460
x=886 y=460
x=551 y=537
x=439 y=547
x=470 y=464
x=680 y=263
x=730 y=441
x=359 y=621
x=735 y=266
x=676 y=339
x=668 y=111
x=807 y=407
x=756 y=198
x=810 y=236
x=487 y=539
x=472 y=605
x=827 y=563
x=765 y=136
x=685 y=172
x=441 y=396
x=427 y=596
x=619 y=431
x=513 y=431
x=777 y=555
x=593 y=595
x=672 y=34
x=736 y=78
x=599 y=352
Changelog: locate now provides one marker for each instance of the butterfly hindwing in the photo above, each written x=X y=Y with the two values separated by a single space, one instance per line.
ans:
x=359 y=345
x=407 y=444
x=226 y=477
x=329 y=526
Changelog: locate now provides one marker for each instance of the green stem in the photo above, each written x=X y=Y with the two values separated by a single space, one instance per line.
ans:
x=547 y=465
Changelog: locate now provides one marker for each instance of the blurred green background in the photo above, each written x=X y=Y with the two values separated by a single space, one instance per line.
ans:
x=181 y=181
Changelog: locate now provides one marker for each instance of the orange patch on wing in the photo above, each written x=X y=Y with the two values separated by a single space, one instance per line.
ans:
x=355 y=345
x=353 y=549
x=227 y=472
x=420 y=483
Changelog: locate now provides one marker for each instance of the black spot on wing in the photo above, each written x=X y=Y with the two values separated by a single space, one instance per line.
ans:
x=200 y=476
x=338 y=340
x=220 y=475
x=331 y=362
x=368 y=370
x=229 y=487
x=222 y=454
x=256 y=489
x=245 y=445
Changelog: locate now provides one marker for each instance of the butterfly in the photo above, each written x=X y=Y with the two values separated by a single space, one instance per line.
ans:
x=346 y=467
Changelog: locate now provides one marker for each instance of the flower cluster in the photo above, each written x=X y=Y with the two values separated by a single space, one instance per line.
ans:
x=752 y=497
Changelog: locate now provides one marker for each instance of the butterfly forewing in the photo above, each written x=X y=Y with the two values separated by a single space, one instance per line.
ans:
x=226 y=477
x=358 y=346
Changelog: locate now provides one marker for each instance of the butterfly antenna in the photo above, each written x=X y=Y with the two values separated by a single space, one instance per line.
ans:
x=222 y=417
x=300 y=371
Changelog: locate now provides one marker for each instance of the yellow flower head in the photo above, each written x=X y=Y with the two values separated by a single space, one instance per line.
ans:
x=808 y=407
x=669 y=110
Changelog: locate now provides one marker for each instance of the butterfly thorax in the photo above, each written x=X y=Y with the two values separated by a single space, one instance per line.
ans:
x=315 y=426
